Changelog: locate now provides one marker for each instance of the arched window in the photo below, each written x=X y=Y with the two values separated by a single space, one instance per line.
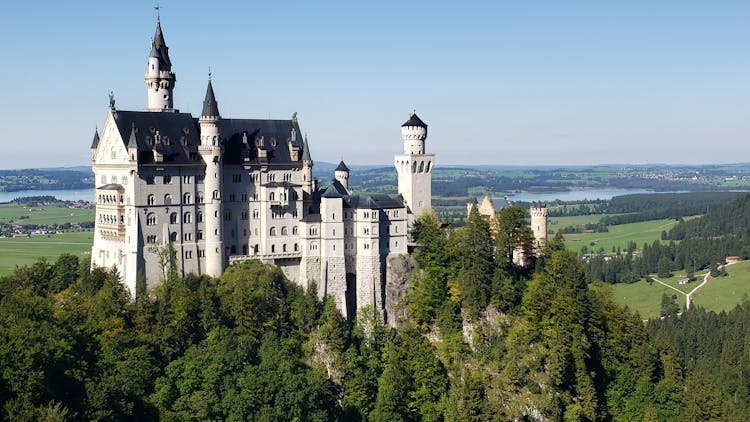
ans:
x=284 y=231
x=296 y=247
x=200 y=217
x=273 y=248
x=186 y=198
x=283 y=247
x=216 y=194
x=150 y=200
x=255 y=249
x=173 y=237
x=245 y=250
x=173 y=218
x=421 y=166
x=272 y=196
x=167 y=199
x=151 y=219
x=273 y=231
x=414 y=167
x=187 y=217
x=295 y=230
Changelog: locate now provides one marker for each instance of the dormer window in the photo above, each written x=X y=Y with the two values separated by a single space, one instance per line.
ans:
x=150 y=141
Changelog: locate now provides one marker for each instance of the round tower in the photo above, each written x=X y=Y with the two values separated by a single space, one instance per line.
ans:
x=159 y=78
x=210 y=151
x=414 y=168
x=539 y=225
x=342 y=175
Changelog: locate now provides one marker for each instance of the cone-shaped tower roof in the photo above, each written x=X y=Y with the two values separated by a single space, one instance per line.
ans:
x=95 y=142
x=159 y=47
x=210 y=107
x=414 y=120
x=342 y=167
x=306 y=151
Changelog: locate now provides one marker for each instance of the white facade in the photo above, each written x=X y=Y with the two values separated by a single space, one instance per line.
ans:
x=414 y=167
x=221 y=191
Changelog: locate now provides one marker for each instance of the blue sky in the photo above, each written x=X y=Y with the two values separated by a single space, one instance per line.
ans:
x=500 y=82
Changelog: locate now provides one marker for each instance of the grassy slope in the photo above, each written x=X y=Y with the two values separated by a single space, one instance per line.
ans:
x=618 y=236
x=26 y=250
x=724 y=293
x=644 y=297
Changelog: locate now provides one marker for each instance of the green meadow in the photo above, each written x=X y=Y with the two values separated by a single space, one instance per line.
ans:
x=46 y=214
x=644 y=297
x=619 y=235
x=724 y=293
x=25 y=250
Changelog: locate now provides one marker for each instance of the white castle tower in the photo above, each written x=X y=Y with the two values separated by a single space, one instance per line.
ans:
x=539 y=225
x=342 y=175
x=210 y=150
x=159 y=77
x=414 y=167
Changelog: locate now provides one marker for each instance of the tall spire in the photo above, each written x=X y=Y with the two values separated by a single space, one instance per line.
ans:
x=210 y=107
x=95 y=142
x=306 y=151
x=159 y=47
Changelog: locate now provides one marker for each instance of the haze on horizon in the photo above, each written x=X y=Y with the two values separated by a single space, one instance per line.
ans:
x=499 y=83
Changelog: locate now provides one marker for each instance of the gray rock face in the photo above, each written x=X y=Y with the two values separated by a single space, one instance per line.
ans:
x=397 y=283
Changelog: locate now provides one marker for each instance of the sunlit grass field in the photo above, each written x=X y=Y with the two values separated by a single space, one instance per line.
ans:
x=724 y=293
x=26 y=250
x=619 y=236
x=47 y=214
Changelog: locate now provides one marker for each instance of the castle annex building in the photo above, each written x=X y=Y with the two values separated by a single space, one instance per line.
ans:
x=224 y=190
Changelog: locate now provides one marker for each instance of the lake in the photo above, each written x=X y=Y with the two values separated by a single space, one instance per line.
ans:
x=573 y=195
x=65 y=194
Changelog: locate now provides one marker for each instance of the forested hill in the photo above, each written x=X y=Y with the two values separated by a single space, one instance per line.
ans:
x=693 y=244
x=43 y=179
x=483 y=340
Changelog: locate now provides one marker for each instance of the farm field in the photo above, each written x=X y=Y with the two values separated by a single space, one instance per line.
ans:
x=644 y=297
x=27 y=250
x=46 y=214
x=556 y=223
x=724 y=293
x=619 y=236
x=679 y=275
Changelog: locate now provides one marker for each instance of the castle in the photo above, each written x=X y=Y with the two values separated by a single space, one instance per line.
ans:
x=223 y=190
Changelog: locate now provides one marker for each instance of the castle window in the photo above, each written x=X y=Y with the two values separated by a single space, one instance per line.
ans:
x=201 y=253
x=255 y=197
x=150 y=200
x=243 y=198
x=167 y=180
x=200 y=235
x=295 y=230
x=186 y=198
x=367 y=246
x=173 y=237
x=151 y=238
x=284 y=231
x=296 y=247
x=414 y=167
x=200 y=197
x=283 y=247
x=255 y=214
x=421 y=166
x=236 y=178
x=150 y=179
x=186 y=180
x=188 y=237
x=273 y=231
x=188 y=254
x=429 y=165
x=245 y=249
x=187 y=218
x=255 y=249
x=273 y=248
x=216 y=194
x=366 y=230
x=395 y=213
x=227 y=215
x=200 y=217
x=272 y=196
x=167 y=199
x=244 y=215
x=184 y=141
x=151 y=219
x=173 y=218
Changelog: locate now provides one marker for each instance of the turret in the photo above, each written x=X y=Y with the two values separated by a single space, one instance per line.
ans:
x=539 y=225
x=159 y=78
x=95 y=143
x=414 y=133
x=342 y=175
x=307 y=164
x=210 y=151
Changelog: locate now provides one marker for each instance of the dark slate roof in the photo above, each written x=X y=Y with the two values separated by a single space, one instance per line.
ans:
x=210 y=107
x=95 y=142
x=133 y=140
x=237 y=151
x=160 y=47
x=306 y=151
x=378 y=201
x=342 y=167
x=414 y=120
x=172 y=128
x=331 y=192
